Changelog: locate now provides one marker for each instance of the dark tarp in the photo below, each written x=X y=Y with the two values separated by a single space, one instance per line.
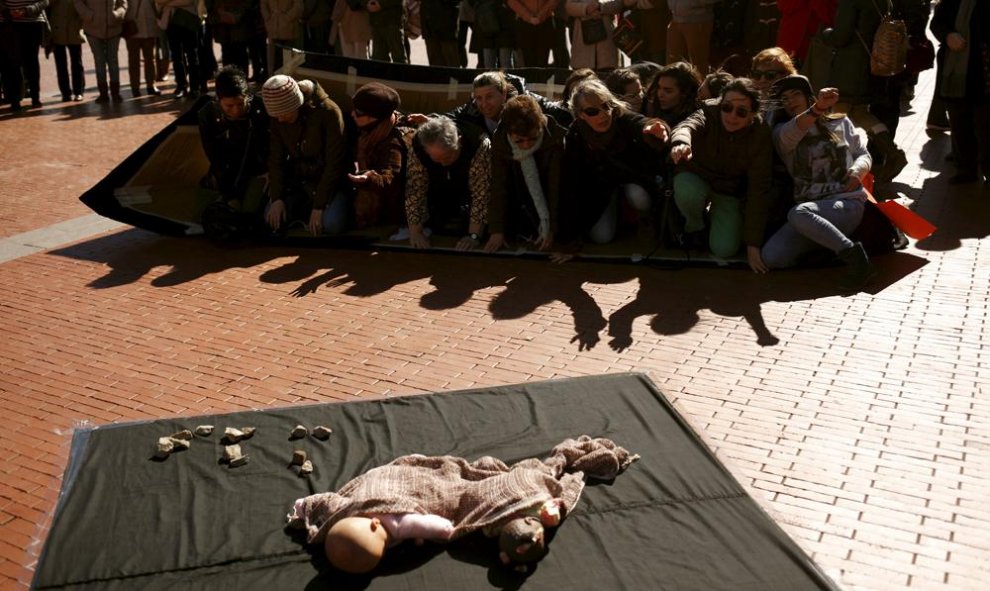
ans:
x=676 y=519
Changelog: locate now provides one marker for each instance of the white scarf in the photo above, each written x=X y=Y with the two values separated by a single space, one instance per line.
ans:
x=532 y=177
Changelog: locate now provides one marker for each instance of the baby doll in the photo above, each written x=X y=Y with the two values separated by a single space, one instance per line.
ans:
x=356 y=544
x=522 y=539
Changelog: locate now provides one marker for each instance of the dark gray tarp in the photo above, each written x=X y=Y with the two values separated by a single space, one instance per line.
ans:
x=676 y=519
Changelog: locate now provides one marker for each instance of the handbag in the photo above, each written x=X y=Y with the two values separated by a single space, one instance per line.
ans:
x=129 y=29
x=593 y=31
x=920 y=56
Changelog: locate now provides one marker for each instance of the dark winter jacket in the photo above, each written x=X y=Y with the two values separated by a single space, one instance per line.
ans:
x=856 y=23
x=237 y=150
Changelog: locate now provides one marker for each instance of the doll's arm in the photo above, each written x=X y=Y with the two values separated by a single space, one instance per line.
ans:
x=423 y=527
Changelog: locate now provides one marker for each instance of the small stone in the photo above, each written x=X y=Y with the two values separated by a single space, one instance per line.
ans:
x=306 y=468
x=298 y=432
x=233 y=435
x=322 y=433
x=185 y=434
x=204 y=430
x=231 y=452
x=238 y=461
x=298 y=457
x=164 y=447
x=180 y=444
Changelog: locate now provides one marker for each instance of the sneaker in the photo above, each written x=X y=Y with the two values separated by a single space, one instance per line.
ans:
x=77 y=98
x=179 y=93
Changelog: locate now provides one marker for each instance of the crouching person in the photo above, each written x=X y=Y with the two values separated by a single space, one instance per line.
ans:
x=827 y=157
x=448 y=183
x=234 y=132
x=308 y=155
x=724 y=152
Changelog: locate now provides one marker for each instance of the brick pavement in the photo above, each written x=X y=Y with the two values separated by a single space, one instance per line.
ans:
x=859 y=422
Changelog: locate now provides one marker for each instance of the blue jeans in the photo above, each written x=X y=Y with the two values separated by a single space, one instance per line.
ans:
x=336 y=215
x=604 y=229
x=815 y=224
x=105 y=57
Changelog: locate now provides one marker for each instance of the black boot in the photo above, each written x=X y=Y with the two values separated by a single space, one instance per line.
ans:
x=115 y=92
x=860 y=270
x=894 y=159
x=104 y=92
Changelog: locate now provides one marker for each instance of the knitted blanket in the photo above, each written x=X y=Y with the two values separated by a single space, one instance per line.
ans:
x=472 y=495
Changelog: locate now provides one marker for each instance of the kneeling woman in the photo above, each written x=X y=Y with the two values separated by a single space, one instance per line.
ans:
x=527 y=152
x=827 y=157
x=609 y=152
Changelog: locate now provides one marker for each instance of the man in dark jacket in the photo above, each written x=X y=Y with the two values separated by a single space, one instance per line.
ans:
x=490 y=91
x=234 y=132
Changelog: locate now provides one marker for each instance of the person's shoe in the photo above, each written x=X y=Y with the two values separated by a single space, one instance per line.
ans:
x=35 y=103
x=16 y=107
x=66 y=98
x=77 y=98
x=115 y=97
x=135 y=92
x=154 y=91
x=962 y=178
x=986 y=181
x=859 y=271
x=103 y=98
x=892 y=166
x=179 y=93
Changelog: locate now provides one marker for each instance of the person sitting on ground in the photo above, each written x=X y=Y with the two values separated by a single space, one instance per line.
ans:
x=626 y=85
x=448 y=183
x=488 y=96
x=308 y=157
x=234 y=132
x=527 y=156
x=380 y=156
x=673 y=94
x=609 y=152
x=724 y=151
x=828 y=159
x=770 y=65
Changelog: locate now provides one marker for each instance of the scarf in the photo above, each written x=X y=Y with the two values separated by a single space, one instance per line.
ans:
x=957 y=62
x=532 y=177
x=371 y=135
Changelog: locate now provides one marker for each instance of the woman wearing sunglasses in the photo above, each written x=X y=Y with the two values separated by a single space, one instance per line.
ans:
x=724 y=153
x=610 y=152
x=770 y=65
x=827 y=157
x=527 y=152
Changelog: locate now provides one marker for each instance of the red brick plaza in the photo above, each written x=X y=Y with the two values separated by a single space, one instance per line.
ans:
x=861 y=423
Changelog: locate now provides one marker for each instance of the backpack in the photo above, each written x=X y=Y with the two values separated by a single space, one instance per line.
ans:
x=888 y=57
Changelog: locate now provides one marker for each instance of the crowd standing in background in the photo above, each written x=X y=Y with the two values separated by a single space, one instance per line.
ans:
x=696 y=106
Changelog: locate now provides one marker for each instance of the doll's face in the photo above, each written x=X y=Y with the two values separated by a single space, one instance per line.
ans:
x=356 y=544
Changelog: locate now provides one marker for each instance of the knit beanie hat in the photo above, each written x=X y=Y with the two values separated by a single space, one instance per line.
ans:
x=376 y=100
x=792 y=82
x=281 y=95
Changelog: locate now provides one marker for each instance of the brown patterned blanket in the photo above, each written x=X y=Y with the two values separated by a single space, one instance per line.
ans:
x=471 y=495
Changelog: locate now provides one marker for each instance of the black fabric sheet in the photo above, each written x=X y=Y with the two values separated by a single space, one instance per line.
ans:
x=676 y=519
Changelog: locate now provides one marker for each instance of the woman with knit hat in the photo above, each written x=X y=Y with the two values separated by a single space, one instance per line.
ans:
x=826 y=155
x=381 y=177
x=307 y=157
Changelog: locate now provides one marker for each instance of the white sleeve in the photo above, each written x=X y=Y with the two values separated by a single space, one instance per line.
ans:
x=860 y=160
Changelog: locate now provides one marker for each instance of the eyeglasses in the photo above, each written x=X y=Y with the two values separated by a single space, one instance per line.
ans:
x=595 y=111
x=741 y=112
x=770 y=75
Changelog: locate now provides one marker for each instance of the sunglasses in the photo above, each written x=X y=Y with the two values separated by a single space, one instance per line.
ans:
x=595 y=111
x=741 y=112
x=768 y=74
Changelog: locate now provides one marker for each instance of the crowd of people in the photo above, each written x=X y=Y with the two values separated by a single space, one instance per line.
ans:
x=757 y=161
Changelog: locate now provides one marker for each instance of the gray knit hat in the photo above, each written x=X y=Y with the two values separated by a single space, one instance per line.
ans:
x=281 y=95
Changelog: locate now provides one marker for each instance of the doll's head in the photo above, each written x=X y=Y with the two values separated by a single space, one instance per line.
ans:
x=355 y=544
x=521 y=541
